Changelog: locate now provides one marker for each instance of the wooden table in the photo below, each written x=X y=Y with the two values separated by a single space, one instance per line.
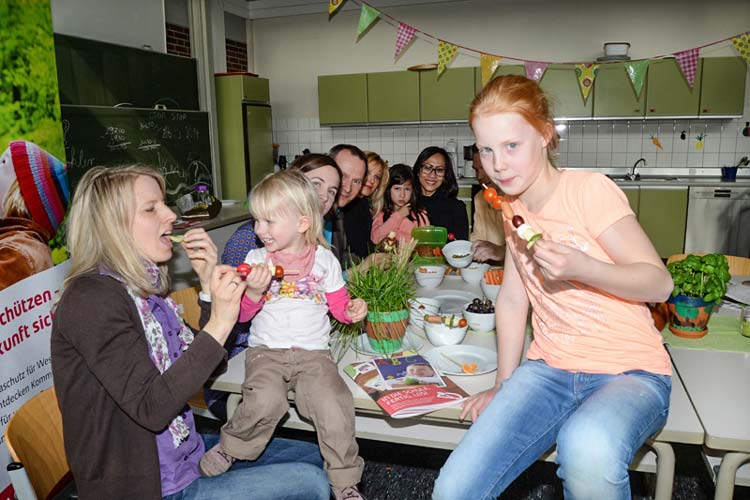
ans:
x=443 y=430
x=718 y=384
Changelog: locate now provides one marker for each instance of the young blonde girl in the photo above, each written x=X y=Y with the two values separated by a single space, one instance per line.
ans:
x=597 y=380
x=289 y=335
x=401 y=210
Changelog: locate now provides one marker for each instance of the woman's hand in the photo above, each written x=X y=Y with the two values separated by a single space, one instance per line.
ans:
x=226 y=294
x=485 y=250
x=356 y=309
x=257 y=282
x=477 y=403
x=560 y=262
x=203 y=255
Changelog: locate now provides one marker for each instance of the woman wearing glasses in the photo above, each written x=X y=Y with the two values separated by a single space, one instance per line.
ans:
x=437 y=189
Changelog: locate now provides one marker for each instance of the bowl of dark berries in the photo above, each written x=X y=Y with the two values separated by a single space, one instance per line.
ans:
x=480 y=315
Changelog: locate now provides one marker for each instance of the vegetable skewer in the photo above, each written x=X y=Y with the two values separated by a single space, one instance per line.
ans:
x=523 y=230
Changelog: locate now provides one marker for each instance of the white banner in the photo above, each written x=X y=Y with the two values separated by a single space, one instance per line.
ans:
x=25 y=327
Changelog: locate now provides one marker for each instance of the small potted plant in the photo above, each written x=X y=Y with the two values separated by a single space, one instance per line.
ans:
x=699 y=282
x=387 y=289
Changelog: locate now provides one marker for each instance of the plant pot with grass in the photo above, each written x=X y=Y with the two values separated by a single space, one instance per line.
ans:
x=699 y=283
x=386 y=286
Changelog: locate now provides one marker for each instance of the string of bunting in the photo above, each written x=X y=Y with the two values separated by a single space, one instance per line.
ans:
x=586 y=72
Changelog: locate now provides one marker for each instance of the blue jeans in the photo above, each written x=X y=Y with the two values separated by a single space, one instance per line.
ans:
x=598 y=422
x=287 y=470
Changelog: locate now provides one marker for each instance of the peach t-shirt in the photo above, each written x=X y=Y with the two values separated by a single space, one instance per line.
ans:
x=577 y=327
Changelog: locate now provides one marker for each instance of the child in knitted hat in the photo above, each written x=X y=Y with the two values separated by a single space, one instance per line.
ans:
x=34 y=196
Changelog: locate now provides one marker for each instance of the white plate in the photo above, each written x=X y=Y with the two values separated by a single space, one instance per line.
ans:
x=411 y=342
x=485 y=359
x=453 y=302
x=737 y=291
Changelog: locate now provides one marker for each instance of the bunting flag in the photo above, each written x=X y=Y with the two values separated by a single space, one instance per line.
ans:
x=489 y=65
x=636 y=70
x=403 y=38
x=586 y=74
x=742 y=44
x=688 y=62
x=333 y=6
x=446 y=53
x=535 y=69
x=367 y=16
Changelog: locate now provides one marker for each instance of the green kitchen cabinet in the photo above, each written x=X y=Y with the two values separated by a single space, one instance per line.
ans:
x=447 y=97
x=723 y=86
x=615 y=96
x=662 y=212
x=502 y=69
x=561 y=85
x=243 y=118
x=393 y=96
x=632 y=193
x=669 y=94
x=342 y=99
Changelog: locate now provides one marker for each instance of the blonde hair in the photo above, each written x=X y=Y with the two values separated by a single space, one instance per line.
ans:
x=290 y=192
x=377 y=197
x=518 y=94
x=100 y=227
x=14 y=204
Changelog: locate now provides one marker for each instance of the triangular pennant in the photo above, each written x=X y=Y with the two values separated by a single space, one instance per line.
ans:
x=446 y=53
x=367 y=16
x=742 y=45
x=636 y=70
x=688 y=62
x=403 y=38
x=535 y=70
x=489 y=65
x=586 y=73
x=333 y=6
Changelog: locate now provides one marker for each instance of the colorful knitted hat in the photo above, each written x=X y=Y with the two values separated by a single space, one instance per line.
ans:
x=43 y=180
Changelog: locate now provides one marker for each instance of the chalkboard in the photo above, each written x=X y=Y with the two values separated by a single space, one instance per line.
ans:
x=176 y=143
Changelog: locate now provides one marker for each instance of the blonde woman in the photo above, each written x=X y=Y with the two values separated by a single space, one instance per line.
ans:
x=125 y=364
x=376 y=182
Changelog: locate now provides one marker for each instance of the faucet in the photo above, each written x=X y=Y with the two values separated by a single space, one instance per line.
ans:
x=632 y=176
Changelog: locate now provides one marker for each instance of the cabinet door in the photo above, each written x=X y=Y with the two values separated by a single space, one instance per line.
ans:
x=255 y=89
x=662 y=213
x=615 y=95
x=393 y=96
x=503 y=69
x=342 y=99
x=723 y=86
x=447 y=97
x=259 y=141
x=632 y=193
x=669 y=93
x=561 y=85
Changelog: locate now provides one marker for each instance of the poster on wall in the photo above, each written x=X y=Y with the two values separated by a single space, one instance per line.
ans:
x=34 y=197
x=25 y=327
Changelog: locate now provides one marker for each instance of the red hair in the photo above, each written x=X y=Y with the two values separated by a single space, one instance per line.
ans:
x=517 y=94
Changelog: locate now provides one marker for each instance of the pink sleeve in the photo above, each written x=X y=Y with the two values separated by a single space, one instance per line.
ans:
x=337 y=302
x=249 y=308
x=381 y=229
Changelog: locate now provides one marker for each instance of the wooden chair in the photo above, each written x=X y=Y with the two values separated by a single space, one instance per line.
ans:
x=739 y=266
x=187 y=298
x=34 y=437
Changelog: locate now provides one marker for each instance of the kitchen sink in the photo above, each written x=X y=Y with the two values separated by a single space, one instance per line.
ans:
x=622 y=178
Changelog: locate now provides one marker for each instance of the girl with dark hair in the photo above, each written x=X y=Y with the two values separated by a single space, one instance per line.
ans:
x=437 y=189
x=402 y=211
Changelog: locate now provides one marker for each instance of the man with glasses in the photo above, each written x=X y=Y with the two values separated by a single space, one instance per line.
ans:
x=437 y=189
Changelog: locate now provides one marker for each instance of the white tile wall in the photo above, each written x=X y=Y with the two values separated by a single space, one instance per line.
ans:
x=610 y=146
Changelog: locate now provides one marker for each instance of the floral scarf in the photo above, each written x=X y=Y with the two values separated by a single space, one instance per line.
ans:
x=159 y=316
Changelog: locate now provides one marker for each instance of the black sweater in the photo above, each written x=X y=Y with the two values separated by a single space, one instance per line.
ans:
x=446 y=212
x=358 y=225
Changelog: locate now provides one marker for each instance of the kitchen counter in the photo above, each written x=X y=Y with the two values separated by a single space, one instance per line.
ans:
x=229 y=214
x=653 y=180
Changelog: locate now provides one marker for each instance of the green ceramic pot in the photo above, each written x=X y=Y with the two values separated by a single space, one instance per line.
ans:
x=385 y=330
x=688 y=316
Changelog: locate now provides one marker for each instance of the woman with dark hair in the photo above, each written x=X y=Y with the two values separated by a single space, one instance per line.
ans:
x=437 y=189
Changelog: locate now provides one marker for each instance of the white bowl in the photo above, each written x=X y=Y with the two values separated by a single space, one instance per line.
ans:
x=458 y=253
x=479 y=322
x=440 y=334
x=429 y=276
x=420 y=306
x=474 y=273
x=490 y=291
